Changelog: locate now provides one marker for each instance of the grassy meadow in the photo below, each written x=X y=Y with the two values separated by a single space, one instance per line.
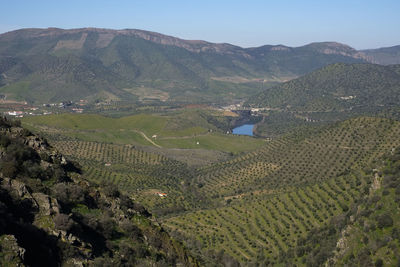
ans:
x=185 y=130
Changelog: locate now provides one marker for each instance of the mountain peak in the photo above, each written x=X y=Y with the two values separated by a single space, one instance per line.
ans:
x=335 y=48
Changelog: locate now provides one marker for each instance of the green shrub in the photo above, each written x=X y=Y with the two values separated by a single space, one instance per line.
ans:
x=4 y=141
x=111 y=190
x=379 y=263
x=384 y=220
x=9 y=168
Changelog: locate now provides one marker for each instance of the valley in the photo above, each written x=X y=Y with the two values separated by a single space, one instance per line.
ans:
x=191 y=153
x=222 y=199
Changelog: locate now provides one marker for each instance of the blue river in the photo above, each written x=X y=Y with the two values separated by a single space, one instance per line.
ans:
x=245 y=129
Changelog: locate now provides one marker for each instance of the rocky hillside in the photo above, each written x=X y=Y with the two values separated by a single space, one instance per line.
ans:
x=43 y=65
x=51 y=216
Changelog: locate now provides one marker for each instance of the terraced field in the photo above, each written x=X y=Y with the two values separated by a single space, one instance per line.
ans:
x=295 y=160
x=271 y=197
x=265 y=226
x=142 y=174
x=108 y=153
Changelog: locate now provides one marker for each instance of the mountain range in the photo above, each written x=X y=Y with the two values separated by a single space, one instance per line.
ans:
x=48 y=65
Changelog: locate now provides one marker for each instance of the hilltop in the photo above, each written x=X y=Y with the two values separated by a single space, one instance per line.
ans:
x=42 y=65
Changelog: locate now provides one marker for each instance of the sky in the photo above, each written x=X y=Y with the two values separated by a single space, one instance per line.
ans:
x=361 y=24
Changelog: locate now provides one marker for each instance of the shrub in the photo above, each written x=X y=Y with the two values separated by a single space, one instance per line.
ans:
x=126 y=202
x=128 y=255
x=25 y=133
x=4 y=141
x=9 y=168
x=141 y=209
x=63 y=222
x=45 y=157
x=102 y=262
x=395 y=233
x=15 y=123
x=91 y=221
x=21 y=153
x=107 y=227
x=69 y=193
x=397 y=191
x=59 y=174
x=374 y=199
x=379 y=263
x=384 y=220
x=111 y=190
x=365 y=213
x=132 y=230
x=32 y=169
x=73 y=166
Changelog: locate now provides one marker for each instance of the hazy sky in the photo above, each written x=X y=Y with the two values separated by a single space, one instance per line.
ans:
x=358 y=23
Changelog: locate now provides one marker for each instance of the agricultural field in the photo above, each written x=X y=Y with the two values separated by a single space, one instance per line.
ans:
x=300 y=159
x=254 y=206
x=188 y=129
x=143 y=175
x=261 y=227
x=271 y=198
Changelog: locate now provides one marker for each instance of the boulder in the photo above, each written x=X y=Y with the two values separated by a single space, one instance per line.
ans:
x=47 y=205
x=15 y=187
x=36 y=143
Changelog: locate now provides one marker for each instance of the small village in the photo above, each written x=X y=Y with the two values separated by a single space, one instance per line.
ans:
x=20 y=109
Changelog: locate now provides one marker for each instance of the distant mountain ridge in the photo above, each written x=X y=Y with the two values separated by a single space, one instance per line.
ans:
x=107 y=35
x=40 y=65
x=384 y=56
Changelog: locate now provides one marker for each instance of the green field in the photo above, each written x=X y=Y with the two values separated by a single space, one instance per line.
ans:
x=185 y=130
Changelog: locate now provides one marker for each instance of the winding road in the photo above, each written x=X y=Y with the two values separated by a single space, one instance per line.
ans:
x=147 y=138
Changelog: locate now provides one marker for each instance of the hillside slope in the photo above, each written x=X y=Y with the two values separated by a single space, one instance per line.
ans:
x=51 y=216
x=365 y=235
x=336 y=87
x=42 y=65
x=271 y=199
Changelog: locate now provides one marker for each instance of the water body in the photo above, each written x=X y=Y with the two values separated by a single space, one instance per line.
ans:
x=245 y=129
